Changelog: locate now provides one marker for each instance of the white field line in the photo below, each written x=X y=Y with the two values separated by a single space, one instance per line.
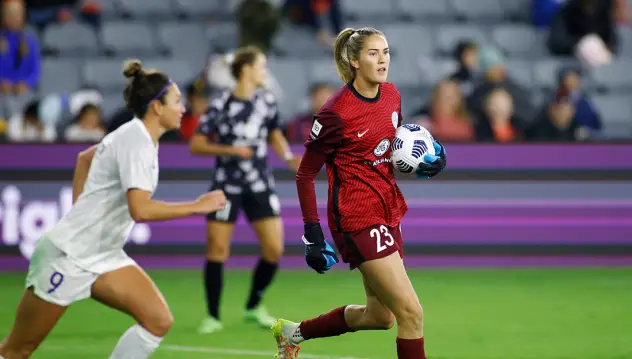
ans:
x=259 y=353
x=205 y=350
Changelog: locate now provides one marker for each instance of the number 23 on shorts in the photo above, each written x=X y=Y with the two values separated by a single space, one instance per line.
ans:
x=382 y=237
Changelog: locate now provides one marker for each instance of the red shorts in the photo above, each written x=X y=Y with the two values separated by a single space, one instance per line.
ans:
x=375 y=242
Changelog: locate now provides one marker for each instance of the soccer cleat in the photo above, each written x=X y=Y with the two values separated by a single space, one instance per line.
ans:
x=283 y=331
x=210 y=325
x=260 y=316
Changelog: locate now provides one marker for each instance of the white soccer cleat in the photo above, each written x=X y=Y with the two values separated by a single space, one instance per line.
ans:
x=210 y=325
x=283 y=331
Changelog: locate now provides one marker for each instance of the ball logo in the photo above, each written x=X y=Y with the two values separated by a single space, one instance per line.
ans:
x=382 y=147
x=395 y=119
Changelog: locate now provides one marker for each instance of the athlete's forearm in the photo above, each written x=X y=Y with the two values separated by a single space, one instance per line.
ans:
x=84 y=160
x=150 y=210
x=311 y=164
x=279 y=145
x=200 y=145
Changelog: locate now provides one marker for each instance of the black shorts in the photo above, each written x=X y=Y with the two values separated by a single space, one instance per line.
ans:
x=256 y=205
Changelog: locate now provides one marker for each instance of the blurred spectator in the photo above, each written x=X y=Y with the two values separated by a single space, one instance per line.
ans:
x=87 y=127
x=44 y=12
x=28 y=127
x=198 y=93
x=299 y=126
x=3 y=130
x=466 y=54
x=19 y=52
x=543 y=11
x=621 y=11
x=313 y=13
x=579 y=18
x=218 y=75
x=499 y=108
x=569 y=116
x=486 y=110
x=447 y=116
x=258 y=22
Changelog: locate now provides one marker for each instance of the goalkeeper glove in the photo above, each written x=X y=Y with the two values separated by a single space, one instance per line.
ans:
x=433 y=164
x=319 y=255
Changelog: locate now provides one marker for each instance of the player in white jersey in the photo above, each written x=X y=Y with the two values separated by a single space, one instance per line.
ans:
x=82 y=256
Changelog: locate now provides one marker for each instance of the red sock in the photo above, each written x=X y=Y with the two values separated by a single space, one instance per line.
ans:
x=410 y=349
x=327 y=325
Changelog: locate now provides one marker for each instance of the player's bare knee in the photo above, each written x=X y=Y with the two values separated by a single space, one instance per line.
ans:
x=159 y=323
x=381 y=319
x=218 y=252
x=272 y=254
x=410 y=315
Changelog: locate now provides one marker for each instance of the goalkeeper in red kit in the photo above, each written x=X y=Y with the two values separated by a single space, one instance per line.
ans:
x=352 y=135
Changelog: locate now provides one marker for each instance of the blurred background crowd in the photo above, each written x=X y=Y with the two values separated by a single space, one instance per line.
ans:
x=469 y=70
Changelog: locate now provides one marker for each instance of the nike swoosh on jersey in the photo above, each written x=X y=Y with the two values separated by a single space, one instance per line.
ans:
x=362 y=134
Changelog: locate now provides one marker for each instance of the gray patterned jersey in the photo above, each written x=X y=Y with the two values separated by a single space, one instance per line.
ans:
x=237 y=122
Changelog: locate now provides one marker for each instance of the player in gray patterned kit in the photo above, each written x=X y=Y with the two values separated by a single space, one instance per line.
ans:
x=239 y=126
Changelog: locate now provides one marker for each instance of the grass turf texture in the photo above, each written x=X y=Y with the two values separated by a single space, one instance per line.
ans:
x=473 y=314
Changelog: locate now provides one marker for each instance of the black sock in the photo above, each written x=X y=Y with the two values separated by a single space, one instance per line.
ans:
x=213 y=280
x=264 y=273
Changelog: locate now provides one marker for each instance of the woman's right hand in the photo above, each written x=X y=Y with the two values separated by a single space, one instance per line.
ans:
x=243 y=152
x=211 y=202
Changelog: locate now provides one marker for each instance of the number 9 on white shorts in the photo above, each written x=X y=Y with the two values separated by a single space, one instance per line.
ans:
x=56 y=279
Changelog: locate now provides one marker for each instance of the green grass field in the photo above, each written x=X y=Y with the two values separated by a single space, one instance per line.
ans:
x=473 y=314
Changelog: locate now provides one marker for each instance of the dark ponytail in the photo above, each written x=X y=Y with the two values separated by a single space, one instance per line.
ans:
x=144 y=87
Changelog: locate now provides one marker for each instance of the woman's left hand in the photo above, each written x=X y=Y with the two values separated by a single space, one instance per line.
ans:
x=433 y=164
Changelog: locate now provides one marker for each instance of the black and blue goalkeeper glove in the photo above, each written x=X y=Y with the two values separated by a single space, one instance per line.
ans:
x=433 y=164
x=319 y=255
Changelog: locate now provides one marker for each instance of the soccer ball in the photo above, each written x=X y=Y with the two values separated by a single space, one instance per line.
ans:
x=409 y=146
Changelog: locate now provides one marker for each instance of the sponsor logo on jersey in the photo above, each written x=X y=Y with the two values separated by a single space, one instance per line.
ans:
x=382 y=147
x=382 y=160
x=316 y=128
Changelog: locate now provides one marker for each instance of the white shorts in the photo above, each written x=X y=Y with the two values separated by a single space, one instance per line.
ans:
x=56 y=279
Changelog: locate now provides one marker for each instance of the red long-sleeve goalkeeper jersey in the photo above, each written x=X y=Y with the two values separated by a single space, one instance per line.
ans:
x=352 y=135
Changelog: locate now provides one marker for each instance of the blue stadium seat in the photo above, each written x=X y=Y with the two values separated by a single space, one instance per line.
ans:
x=59 y=75
x=615 y=111
x=129 y=38
x=71 y=39
x=519 y=10
x=155 y=10
x=428 y=10
x=521 y=71
x=293 y=79
x=299 y=42
x=105 y=74
x=324 y=70
x=178 y=69
x=201 y=9
x=223 y=36
x=448 y=36
x=516 y=40
x=409 y=40
x=615 y=76
x=369 y=9
x=479 y=10
x=196 y=47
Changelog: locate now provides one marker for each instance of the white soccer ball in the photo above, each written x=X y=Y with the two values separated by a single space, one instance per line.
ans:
x=409 y=146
